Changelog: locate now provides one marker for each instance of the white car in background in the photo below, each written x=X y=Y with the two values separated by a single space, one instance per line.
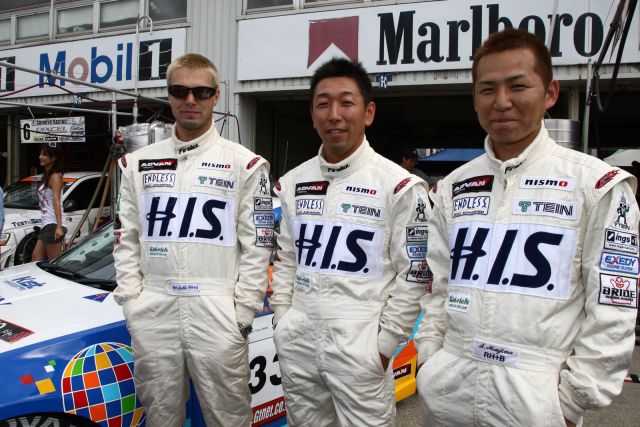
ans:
x=22 y=216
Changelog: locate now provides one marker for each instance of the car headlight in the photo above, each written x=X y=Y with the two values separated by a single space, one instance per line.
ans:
x=4 y=238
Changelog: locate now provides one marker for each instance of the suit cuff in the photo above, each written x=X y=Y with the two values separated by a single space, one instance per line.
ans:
x=387 y=343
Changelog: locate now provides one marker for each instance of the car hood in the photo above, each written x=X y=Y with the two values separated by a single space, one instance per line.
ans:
x=18 y=218
x=36 y=306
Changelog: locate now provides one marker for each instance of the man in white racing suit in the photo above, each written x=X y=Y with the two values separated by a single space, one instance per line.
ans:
x=534 y=252
x=192 y=248
x=353 y=236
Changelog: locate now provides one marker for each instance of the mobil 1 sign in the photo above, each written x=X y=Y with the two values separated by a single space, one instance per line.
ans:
x=58 y=129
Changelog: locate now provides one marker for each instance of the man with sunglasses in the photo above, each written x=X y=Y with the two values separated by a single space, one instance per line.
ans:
x=196 y=229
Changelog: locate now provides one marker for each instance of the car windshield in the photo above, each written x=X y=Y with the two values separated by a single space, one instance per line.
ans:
x=24 y=194
x=92 y=257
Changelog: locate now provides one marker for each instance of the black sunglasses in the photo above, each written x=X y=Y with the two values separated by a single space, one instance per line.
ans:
x=199 y=92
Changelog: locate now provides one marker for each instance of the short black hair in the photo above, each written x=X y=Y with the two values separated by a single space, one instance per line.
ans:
x=342 y=67
x=510 y=39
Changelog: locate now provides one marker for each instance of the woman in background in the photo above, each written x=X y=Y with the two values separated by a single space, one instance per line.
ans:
x=52 y=233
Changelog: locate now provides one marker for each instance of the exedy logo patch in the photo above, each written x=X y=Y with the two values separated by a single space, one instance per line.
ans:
x=475 y=184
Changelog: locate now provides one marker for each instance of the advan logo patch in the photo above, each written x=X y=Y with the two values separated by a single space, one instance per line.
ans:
x=157 y=164
x=188 y=217
x=475 y=184
x=620 y=291
x=316 y=188
x=528 y=259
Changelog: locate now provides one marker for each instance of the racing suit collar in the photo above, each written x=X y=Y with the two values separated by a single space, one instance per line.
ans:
x=347 y=166
x=540 y=147
x=196 y=146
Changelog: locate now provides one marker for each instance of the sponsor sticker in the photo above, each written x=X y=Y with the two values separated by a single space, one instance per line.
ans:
x=338 y=248
x=264 y=237
x=359 y=190
x=420 y=208
x=264 y=183
x=459 y=301
x=606 y=178
x=156 y=251
x=401 y=185
x=551 y=183
x=363 y=211
x=309 y=206
x=419 y=233
x=224 y=167
x=527 y=259
x=553 y=208
x=619 y=263
x=496 y=353
x=10 y=332
x=316 y=188
x=184 y=288
x=158 y=179
x=303 y=282
x=157 y=164
x=264 y=218
x=620 y=241
x=419 y=272
x=402 y=371
x=262 y=204
x=621 y=291
x=621 y=213
x=475 y=184
x=24 y=283
x=188 y=148
x=338 y=169
x=417 y=251
x=471 y=206
x=253 y=162
x=215 y=182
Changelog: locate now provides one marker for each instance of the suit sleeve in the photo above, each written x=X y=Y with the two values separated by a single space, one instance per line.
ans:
x=126 y=250
x=284 y=270
x=255 y=239
x=412 y=273
x=430 y=335
x=601 y=355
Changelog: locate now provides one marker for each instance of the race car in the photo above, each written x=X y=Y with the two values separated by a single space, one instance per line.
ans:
x=66 y=357
x=23 y=217
x=65 y=351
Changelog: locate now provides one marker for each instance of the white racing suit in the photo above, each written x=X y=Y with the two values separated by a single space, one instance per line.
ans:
x=348 y=285
x=191 y=257
x=532 y=314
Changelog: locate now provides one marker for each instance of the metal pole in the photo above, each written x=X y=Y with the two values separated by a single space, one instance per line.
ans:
x=81 y=82
x=115 y=176
x=56 y=107
x=137 y=68
x=587 y=108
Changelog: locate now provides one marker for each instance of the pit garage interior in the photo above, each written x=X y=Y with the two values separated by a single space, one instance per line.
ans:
x=285 y=134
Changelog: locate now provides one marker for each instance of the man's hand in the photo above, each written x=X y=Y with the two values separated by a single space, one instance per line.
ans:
x=385 y=362
x=569 y=423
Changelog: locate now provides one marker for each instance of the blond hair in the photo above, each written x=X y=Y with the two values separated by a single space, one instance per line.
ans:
x=193 y=61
